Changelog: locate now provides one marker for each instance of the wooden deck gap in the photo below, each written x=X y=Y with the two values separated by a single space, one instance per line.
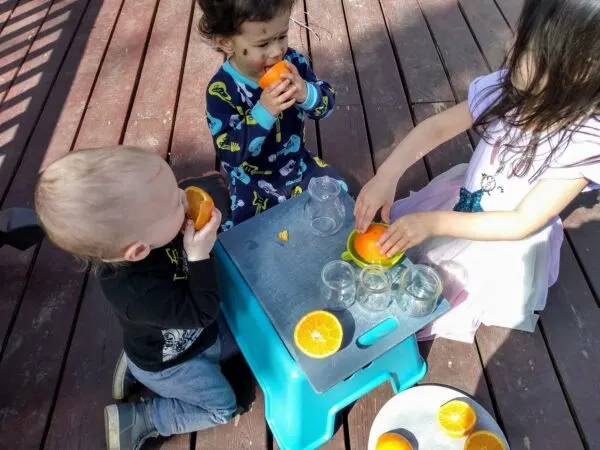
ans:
x=193 y=437
x=359 y=88
x=10 y=17
x=63 y=364
x=504 y=16
x=17 y=308
x=180 y=83
x=93 y=87
x=582 y=268
x=138 y=75
x=490 y=389
x=310 y=58
x=344 y=415
x=439 y=52
x=563 y=388
x=41 y=111
x=466 y=19
x=403 y=79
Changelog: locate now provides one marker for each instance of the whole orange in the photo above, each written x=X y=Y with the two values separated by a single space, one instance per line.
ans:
x=392 y=441
x=273 y=75
x=366 y=246
x=200 y=206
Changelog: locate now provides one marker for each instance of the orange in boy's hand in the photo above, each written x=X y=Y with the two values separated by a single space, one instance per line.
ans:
x=273 y=75
x=200 y=206
x=457 y=418
x=366 y=246
x=392 y=441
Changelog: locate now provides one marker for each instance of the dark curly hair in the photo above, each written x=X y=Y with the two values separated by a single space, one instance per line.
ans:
x=225 y=17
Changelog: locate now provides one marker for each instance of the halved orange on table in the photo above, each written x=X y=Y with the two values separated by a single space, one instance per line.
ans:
x=484 y=440
x=318 y=334
x=457 y=418
x=273 y=75
x=200 y=206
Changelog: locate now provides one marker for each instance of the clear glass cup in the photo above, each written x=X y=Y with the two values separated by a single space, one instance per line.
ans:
x=374 y=289
x=419 y=290
x=338 y=287
x=324 y=209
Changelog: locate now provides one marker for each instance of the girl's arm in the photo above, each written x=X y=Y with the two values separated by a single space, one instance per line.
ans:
x=379 y=191
x=544 y=202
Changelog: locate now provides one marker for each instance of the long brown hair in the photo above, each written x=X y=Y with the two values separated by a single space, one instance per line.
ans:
x=560 y=42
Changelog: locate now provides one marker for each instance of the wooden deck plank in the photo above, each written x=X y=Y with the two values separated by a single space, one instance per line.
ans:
x=151 y=118
x=16 y=38
x=14 y=265
x=571 y=327
x=343 y=134
x=6 y=10
x=459 y=52
x=31 y=364
x=423 y=71
x=490 y=28
x=456 y=364
x=532 y=406
x=26 y=98
x=299 y=40
x=249 y=431
x=106 y=113
x=511 y=10
x=581 y=220
x=386 y=108
x=192 y=151
x=96 y=347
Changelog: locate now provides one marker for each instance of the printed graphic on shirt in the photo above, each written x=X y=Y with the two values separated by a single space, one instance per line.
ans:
x=179 y=261
x=177 y=342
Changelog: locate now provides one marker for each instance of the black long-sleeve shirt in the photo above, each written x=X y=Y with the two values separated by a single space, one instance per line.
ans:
x=166 y=305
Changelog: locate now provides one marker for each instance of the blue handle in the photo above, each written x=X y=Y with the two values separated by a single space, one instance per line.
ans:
x=378 y=332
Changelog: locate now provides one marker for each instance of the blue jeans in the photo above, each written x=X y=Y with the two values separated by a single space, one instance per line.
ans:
x=194 y=395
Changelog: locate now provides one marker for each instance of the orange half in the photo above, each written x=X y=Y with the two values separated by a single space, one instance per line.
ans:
x=273 y=75
x=392 y=441
x=200 y=206
x=318 y=334
x=457 y=418
x=484 y=440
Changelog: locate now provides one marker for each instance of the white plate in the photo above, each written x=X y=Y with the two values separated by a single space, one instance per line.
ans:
x=413 y=413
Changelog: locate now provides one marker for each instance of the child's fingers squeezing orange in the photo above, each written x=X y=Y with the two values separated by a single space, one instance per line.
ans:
x=198 y=244
x=406 y=232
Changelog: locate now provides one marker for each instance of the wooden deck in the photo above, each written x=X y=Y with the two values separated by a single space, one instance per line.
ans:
x=81 y=73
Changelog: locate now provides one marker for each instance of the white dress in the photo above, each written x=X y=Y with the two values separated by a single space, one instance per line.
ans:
x=501 y=283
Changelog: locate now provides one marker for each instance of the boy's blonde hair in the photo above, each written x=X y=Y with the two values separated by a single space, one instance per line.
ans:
x=86 y=200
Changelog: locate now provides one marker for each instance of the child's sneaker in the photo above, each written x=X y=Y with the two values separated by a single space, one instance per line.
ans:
x=128 y=425
x=124 y=383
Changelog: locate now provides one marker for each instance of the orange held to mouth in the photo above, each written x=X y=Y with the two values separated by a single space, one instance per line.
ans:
x=273 y=75
x=201 y=206
x=366 y=246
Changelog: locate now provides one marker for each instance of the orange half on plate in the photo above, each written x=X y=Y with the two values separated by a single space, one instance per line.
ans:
x=200 y=206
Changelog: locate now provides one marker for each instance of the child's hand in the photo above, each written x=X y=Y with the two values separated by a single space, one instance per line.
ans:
x=294 y=77
x=377 y=193
x=406 y=232
x=278 y=97
x=198 y=244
